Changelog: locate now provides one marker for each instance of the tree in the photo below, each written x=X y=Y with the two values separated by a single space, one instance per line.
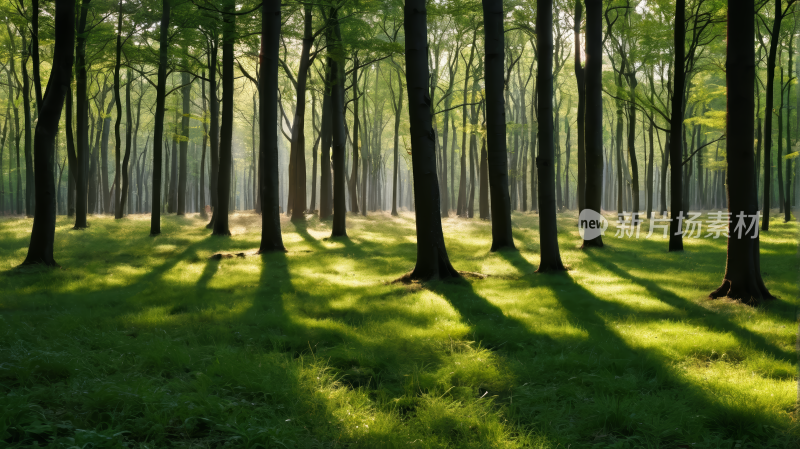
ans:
x=593 y=131
x=271 y=239
x=338 y=134
x=432 y=259
x=40 y=249
x=775 y=38
x=158 y=132
x=742 y=279
x=496 y=126
x=226 y=122
x=676 y=130
x=580 y=78
x=545 y=161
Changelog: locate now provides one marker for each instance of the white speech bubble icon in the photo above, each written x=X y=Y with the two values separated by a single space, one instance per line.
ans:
x=591 y=224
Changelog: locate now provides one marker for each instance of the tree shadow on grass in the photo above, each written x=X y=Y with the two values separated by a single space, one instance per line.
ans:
x=710 y=320
x=615 y=406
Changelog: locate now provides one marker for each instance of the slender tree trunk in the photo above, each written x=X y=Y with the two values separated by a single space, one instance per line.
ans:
x=497 y=154
x=773 y=48
x=271 y=239
x=158 y=132
x=593 y=131
x=123 y=193
x=338 y=136
x=676 y=130
x=40 y=249
x=213 y=125
x=580 y=74
x=353 y=185
x=548 y=226
x=461 y=205
x=325 y=189
x=226 y=123
x=396 y=167
x=632 y=147
x=26 y=110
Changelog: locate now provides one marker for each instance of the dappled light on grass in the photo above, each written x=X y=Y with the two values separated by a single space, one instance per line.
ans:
x=146 y=341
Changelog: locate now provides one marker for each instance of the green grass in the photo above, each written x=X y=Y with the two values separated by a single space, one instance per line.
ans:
x=144 y=342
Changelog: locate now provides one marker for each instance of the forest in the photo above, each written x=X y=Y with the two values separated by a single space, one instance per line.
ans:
x=399 y=223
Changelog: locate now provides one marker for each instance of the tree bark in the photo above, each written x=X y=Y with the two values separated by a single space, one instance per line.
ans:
x=593 y=131
x=186 y=96
x=158 y=132
x=40 y=249
x=676 y=130
x=271 y=239
x=742 y=279
x=548 y=226
x=226 y=122
x=338 y=135
x=432 y=260
x=770 y=101
x=497 y=153
x=580 y=78
x=325 y=189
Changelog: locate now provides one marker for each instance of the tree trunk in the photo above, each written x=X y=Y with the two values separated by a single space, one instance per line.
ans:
x=213 y=125
x=271 y=239
x=297 y=156
x=353 y=185
x=432 y=259
x=398 y=112
x=676 y=130
x=123 y=193
x=742 y=279
x=497 y=154
x=26 y=110
x=580 y=74
x=338 y=136
x=158 y=131
x=770 y=101
x=325 y=191
x=186 y=96
x=593 y=131
x=548 y=226
x=226 y=123
x=40 y=249
x=461 y=205
x=632 y=147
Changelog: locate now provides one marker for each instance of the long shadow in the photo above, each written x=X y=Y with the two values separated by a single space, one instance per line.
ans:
x=710 y=320
x=581 y=310
x=302 y=230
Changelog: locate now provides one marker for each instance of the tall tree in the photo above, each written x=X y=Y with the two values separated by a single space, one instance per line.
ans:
x=82 y=120
x=186 y=96
x=676 y=130
x=338 y=134
x=226 y=122
x=271 y=239
x=593 y=131
x=158 y=131
x=496 y=125
x=580 y=78
x=742 y=279
x=432 y=259
x=779 y=14
x=545 y=162
x=40 y=249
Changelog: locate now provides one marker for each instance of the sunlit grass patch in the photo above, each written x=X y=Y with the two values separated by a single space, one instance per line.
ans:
x=146 y=342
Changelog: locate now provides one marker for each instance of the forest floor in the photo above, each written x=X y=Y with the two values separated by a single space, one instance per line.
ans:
x=146 y=342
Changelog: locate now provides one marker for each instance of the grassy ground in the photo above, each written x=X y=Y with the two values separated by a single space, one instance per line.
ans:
x=145 y=342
